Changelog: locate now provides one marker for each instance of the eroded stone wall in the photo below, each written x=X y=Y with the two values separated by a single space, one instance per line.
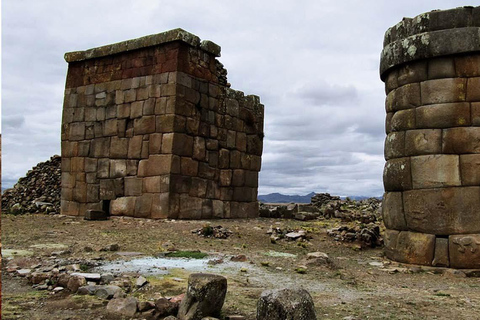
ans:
x=431 y=68
x=151 y=129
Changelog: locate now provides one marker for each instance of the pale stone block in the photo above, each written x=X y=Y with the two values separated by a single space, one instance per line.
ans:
x=435 y=171
x=426 y=141
x=410 y=247
x=124 y=206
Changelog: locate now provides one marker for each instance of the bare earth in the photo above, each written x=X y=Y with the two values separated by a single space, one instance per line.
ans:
x=361 y=285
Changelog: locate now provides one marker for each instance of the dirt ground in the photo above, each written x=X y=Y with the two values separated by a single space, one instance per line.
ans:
x=361 y=284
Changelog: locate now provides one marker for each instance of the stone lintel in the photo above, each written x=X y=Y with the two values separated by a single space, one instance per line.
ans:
x=144 y=42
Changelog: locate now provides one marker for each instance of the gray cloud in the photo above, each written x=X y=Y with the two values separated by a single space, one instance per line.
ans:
x=313 y=63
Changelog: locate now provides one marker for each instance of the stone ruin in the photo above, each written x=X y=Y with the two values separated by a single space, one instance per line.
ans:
x=431 y=68
x=151 y=129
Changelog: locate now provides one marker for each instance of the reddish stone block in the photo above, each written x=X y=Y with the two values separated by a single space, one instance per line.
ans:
x=467 y=66
x=124 y=206
x=464 y=251
x=470 y=169
x=189 y=167
x=135 y=147
x=118 y=148
x=155 y=165
x=156 y=184
x=161 y=206
x=144 y=125
x=133 y=186
x=461 y=140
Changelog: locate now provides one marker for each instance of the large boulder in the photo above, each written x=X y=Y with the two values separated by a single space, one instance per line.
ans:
x=286 y=304
x=205 y=296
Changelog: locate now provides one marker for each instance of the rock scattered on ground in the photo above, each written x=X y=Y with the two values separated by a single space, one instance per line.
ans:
x=37 y=192
x=287 y=234
x=368 y=235
x=285 y=304
x=217 y=232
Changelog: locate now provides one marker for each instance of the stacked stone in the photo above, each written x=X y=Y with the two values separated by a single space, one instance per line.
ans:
x=150 y=130
x=431 y=68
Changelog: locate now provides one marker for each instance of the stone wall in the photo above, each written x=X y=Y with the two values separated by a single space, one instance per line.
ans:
x=431 y=68
x=151 y=129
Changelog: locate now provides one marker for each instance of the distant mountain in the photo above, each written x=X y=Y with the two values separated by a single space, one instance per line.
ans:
x=282 y=198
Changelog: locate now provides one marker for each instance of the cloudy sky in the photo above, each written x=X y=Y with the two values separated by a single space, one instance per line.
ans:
x=314 y=64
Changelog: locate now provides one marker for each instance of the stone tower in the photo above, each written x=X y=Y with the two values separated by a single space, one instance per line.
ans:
x=431 y=68
x=151 y=129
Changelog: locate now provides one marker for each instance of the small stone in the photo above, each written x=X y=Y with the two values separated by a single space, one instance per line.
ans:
x=87 y=290
x=145 y=306
x=141 y=281
x=88 y=276
x=106 y=278
x=239 y=258
x=165 y=307
x=24 y=272
x=107 y=292
x=58 y=289
x=76 y=282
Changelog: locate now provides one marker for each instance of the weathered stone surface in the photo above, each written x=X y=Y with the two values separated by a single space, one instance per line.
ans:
x=404 y=97
x=461 y=140
x=126 y=307
x=464 y=251
x=285 y=304
x=395 y=145
x=441 y=257
x=124 y=206
x=443 y=115
x=470 y=169
x=433 y=171
x=419 y=142
x=107 y=292
x=443 y=211
x=165 y=307
x=443 y=91
x=396 y=175
x=402 y=120
x=392 y=210
x=205 y=296
x=409 y=247
x=443 y=67
x=155 y=165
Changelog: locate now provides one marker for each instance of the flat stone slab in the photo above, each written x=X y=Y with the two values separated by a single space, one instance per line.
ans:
x=88 y=276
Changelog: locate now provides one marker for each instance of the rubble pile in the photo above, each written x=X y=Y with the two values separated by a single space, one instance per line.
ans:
x=217 y=232
x=319 y=199
x=287 y=234
x=368 y=235
x=37 y=192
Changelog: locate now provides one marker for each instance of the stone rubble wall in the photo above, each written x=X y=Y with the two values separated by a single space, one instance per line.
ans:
x=431 y=68
x=156 y=132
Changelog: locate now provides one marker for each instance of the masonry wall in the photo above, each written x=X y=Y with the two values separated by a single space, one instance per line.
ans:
x=431 y=207
x=151 y=129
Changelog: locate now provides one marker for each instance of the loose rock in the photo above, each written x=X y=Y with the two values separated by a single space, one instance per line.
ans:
x=285 y=304
x=205 y=297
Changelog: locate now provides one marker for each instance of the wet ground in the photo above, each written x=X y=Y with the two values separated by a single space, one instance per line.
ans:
x=359 y=284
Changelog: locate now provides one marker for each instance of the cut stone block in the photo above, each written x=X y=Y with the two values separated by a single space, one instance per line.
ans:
x=392 y=211
x=464 y=251
x=396 y=175
x=410 y=247
x=433 y=171
x=426 y=141
x=441 y=257
x=443 y=211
